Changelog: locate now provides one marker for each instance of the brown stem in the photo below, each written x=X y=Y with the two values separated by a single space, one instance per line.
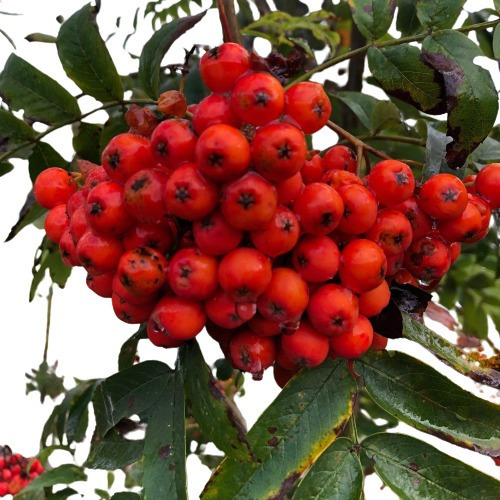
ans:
x=229 y=21
x=359 y=159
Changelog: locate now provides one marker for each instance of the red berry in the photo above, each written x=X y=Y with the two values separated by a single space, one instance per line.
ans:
x=443 y=196
x=354 y=343
x=339 y=178
x=124 y=293
x=462 y=228
x=313 y=169
x=131 y=313
x=99 y=254
x=215 y=236
x=428 y=258
x=3 y=489
x=145 y=234
x=53 y=187
x=488 y=184
x=379 y=342
x=101 y=285
x=95 y=177
x=278 y=151
x=79 y=224
x=75 y=201
x=282 y=376
x=340 y=158
x=252 y=353
x=360 y=209
x=485 y=211
x=455 y=249
x=392 y=182
x=214 y=110
x=68 y=250
x=394 y=263
x=289 y=189
x=392 y=232
x=372 y=302
x=420 y=222
x=264 y=327
x=306 y=346
x=56 y=223
x=222 y=310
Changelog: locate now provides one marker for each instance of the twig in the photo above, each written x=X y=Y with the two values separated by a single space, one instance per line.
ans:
x=229 y=21
x=47 y=328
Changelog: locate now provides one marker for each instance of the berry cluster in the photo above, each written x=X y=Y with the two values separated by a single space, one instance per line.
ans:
x=16 y=471
x=226 y=221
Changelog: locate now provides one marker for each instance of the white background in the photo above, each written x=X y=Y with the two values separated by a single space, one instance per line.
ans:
x=85 y=335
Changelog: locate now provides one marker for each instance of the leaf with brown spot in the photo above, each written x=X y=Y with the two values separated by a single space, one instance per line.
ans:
x=441 y=315
x=373 y=17
x=308 y=414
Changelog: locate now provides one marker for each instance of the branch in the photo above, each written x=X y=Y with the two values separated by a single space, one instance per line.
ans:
x=362 y=50
x=229 y=21
x=393 y=138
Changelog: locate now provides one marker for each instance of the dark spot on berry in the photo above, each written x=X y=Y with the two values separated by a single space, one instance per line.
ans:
x=139 y=184
x=326 y=219
x=318 y=109
x=450 y=195
x=206 y=223
x=401 y=179
x=246 y=200
x=287 y=225
x=162 y=148
x=185 y=272
x=126 y=317
x=245 y=357
x=301 y=259
x=337 y=321
x=243 y=291
x=114 y=160
x=284 y=151
x=96 y=208
x=125 y=280
x=182 y=194
x=234 y=317
x=347 y=212
x=213 y=53
x=215 y=159
x=86 y=261
x=276 y=309
x=261 y=98
x=381 y=273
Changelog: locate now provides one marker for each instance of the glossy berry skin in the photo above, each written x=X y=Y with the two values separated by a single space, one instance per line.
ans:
x=214 y=110
x=56 y=222
x=443 y=196
x=333 y=309
x=455 y=250
x=143 y=195
x=404 y=277
x=146 y=234
x=319 y=209
x=391 y=231
x=394 y=263
x=215 y=236
x=355 y=342
x=252 y=353
x=177 y=318
x=75 y=201
x=340 y=158
x=99 y=254
x=339 y=178
x=222 y=310
x=173 y=142
x=306 y=346
x=428 y=258
x=95 y=177
x=313 y=169
x=188 y=194
x=316 y=258
x=308 y=104
x=249 y=203
x=258 y=98
x=278 y=151
x=264 y=327
x=420 y=222
x=488 y=184
x=124 y=293
x=371 y=303
x=53 y=187
x=378 y=342
x=362 y=265
x=285 y=298
x=105 y=209
x=464 y=227
x=142 y=271
x=67 y=249
x=101 y=285
x=192 y=274
x=485 y=211
x=289 y=189
x=222 y=153
x=125 y=155
x=282 y=376
x=360 y=209
x=131 y=313
x=221 y=66
x=244 y=274
x=392 y=182
x=280 y=235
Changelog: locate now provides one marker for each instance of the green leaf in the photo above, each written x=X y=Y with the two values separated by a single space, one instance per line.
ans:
x=488 y=151
x=435 y=152
x=86 y=141
x=113 y=452
x=402 y=74
x=471 y=97
x=63 y=494
x=475 y=319
x=479 y=369
x=416 y=470
x=217 y=416
x=86 y=59
x=496 y=3
x=385 y=114
x=362 y=105
x=126 y=495
x=165 y=444
x=114 y=126
x=420 y=396
x=128 y=350
x=438 y=15
x=5 y=168
x=44 y=156
x=337 y=474
x=40 y=97
x=128 y=392
x=496 y=42
x=373 y=17
x=14 y=133
x=290 y=435
x=407 y=21
x=64 y=474
x=156 y=48
x=78 y=414
x=30 y=212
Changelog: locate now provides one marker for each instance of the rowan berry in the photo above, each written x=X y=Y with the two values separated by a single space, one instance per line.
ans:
x=165 y=320
x=214 y=110
x=264 y=327
x=289 y=189
x=173 y=142
x=249 y=203
x=443 y=196
x=340 y=158
x=392 y=182
x=222 y=153
x=53 y=187
x=355 y=342
x=391 y=231
x=319 y=209
x=244 y=274
x=124 y=293
x=215 y=236
x=99 y=254
x=360 y=209
x=221 y=309
x=278 y=151
x=488 y=184
x=404 y=277
x=192 y=274
x=316 y=258
x=372 y=302
x=394 y=263
x=306 y=346
x=313 y=169
x=379 y=342
x=462 y=228
x=56 y=222
x=283 y=361
x=308 y=104
x=76 y=200
x=142 y=120
x=131 y=313
x=101 y=285
x=67 y=250
x=252 y=353
x=173 y=103
x=282 y=376
x=485 y=211
x=221 y=66
x=3 y=489
x=258 y=98
x=221 y=335
x=339 y=178
x=363 y=265
x=188 y=194
x=146 y=234
x=455 y=249
x=428 y=258
x=420 y=222
x=95 y=177
x=280 y=235
x=125 y=155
